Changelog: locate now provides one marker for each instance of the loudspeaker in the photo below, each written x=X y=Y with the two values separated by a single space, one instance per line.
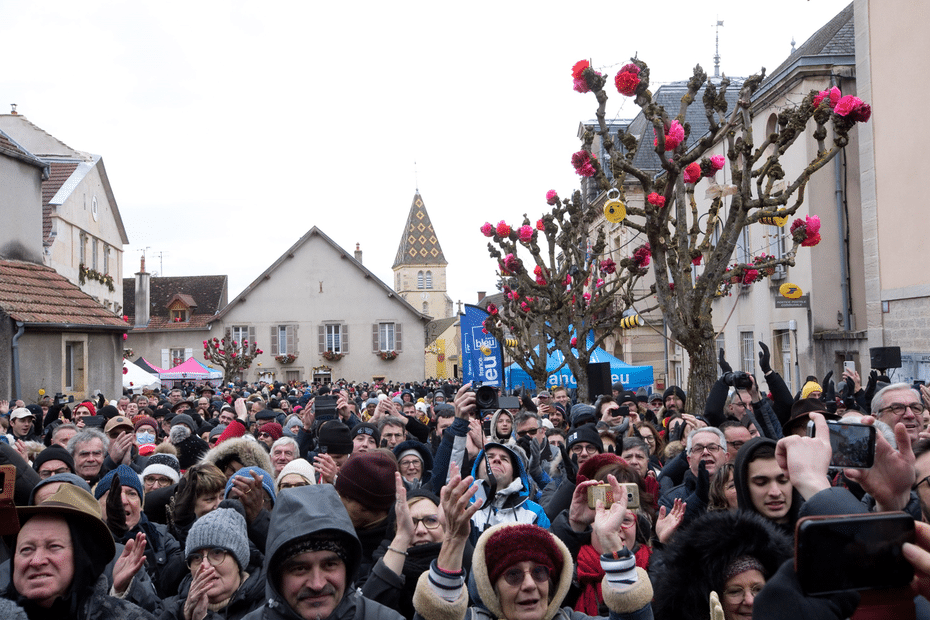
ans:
x=885 y=357
x=599 y=383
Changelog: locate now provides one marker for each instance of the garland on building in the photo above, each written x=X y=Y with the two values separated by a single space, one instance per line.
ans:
x=106 y=279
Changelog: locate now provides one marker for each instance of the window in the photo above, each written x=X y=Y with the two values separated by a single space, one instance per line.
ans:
x=73 y=371
x=419 y=279
x=82 y=249
x=781 y=344
x=745 y=251
x=179 y=316
x=292 y=375
x=106 y=259
x=429 y=279
x=177 y=357
x=284 y=340
x=334 y=338
x=241 y=333
x=93 y=253
x=747 y=352
x=386 y=336
x=425 y=307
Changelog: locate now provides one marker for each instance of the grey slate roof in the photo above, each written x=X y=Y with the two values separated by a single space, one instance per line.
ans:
x=837 y=37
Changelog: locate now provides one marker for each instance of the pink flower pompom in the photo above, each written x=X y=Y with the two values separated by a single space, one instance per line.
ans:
x=125 y=336
x=854 y=108
x=697 y=260
x=674 y=137
x=526 y=233
x=580 y=158
x=750 y=276
x=692 y=174
x=487 y=230
x=574 y=342
x=833 y=95
x=524 y=306
x=587 y=296
x=627 y=80
x=492 y=309
x=813 y=224
x=718 y=161
x=599 y=283
x=552 y=197
x=540 y=225
x=811 y=240
x=608 y=266
x=587 y=170
x=656 y=200
x=580 y=85
x=579 y=67
x=503 y=229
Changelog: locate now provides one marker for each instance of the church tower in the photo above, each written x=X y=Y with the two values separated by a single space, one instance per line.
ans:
x=420 y=267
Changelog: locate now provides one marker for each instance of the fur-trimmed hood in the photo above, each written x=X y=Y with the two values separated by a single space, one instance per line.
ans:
x=246 y=451
x=685 y=571
x=489 y=597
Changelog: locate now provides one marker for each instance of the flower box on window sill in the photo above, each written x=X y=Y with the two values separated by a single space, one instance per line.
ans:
x=332 y=356
x=285 y=359
x=387 y=355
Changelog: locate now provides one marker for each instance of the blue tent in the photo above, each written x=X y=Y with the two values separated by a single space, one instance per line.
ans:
x=632 y=377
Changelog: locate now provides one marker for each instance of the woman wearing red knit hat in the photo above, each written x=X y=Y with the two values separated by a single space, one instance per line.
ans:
x=521 y=571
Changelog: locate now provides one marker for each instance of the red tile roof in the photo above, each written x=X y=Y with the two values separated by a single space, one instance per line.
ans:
x=59 y=172
x=37 y=294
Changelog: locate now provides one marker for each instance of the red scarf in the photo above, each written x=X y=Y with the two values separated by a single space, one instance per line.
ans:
x=590 y=575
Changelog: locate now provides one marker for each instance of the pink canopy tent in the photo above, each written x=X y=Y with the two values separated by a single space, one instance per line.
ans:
x=190 y=369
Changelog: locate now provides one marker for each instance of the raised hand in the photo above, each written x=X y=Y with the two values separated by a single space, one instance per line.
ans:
x=724 y=366
x=605 y=537
x=129 y=562
x=669 y=521
x=765 y=359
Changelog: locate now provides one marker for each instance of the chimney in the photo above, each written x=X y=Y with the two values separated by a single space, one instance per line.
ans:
x=143 y=306
x=481 y=296
x=13 y=110
x=358 y=252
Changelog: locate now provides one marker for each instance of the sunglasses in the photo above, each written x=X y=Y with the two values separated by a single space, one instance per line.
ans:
x=515 y=576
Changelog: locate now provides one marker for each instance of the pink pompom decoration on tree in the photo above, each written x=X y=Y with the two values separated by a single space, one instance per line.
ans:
x=692 y=174
x=674 y=136
x=697 y=260
x=552 y=197
x=492 y=309
x=750 y=276
x=656 y=200
x=832 y=95
x=853 y=108
x=587 y=170
x=574 y=342
x=608 y=266
x=488 y=229
x=627 y=80
x=718 y=161
x=579 y=67
x=526 y=233
x=503 y=229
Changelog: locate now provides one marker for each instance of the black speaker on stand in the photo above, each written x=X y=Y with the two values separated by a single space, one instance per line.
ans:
x=883 y=358
x=599 y=383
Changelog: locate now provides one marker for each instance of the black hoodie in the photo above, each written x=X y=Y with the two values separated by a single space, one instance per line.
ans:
x=741 y=479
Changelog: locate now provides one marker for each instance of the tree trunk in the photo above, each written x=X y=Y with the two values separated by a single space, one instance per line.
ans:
x=701 y=375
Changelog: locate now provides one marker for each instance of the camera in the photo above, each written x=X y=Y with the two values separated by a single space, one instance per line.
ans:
x=853 y=444
x=486 y=398
x=604 y=493
x=324 y=407
x=738 y=379
x=61 y=399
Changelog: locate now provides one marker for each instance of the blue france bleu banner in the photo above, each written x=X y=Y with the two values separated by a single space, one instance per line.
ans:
x=484 y=366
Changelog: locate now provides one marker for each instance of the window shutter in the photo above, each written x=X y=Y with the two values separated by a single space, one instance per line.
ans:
x=345 y=338
x=322 y=333
x=252 y=335
x=274 y=339
x=290 y=337
x=296 y=340
x=397 y=333
x=374 y=337
x=188 y=353
x=165 y=359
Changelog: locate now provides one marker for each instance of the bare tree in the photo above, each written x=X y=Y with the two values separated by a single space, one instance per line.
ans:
x=230 y=355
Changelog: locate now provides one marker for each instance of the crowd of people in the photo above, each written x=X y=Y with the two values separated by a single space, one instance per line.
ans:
x=384 y=501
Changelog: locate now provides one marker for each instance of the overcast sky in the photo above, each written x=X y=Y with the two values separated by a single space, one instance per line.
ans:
x=230 y=128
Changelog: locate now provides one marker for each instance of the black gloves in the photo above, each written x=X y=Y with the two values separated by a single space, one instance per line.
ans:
x=724 y=366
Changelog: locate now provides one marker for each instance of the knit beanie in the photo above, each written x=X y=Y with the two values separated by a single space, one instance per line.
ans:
x=301 y=467
x=184 y=419
x=143 y=421
x=54 y=453
x=335 y=438
x=233 y=430
x=63 y=478
x=366 y=428
x=127 y=478
x=597 y=466
x=223 y=528
x=587 y=433
x=521 y=543
x=246 y=472
x=582 y=413
x=677 y=391
x=108 y=412
x=809 y=387
x=217 y=430
x=272 y=428
x=90 y=405
x=368 y=478
x=163 y=465
x=190 y=451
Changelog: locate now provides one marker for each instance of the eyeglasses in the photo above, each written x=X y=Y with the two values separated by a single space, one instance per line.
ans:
x=923 y=480
x=409 y=462
x=291 y=485
x=514 y=576
x=532 y=432
x=736 y=444
x=578 y=448
x=629 y=520
x=736 y=594
x=48 y=473
x=430 y=522
x=713 y=448
x=263 y=434
x=898 y=409
x=649 y=439
x=216 y=556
